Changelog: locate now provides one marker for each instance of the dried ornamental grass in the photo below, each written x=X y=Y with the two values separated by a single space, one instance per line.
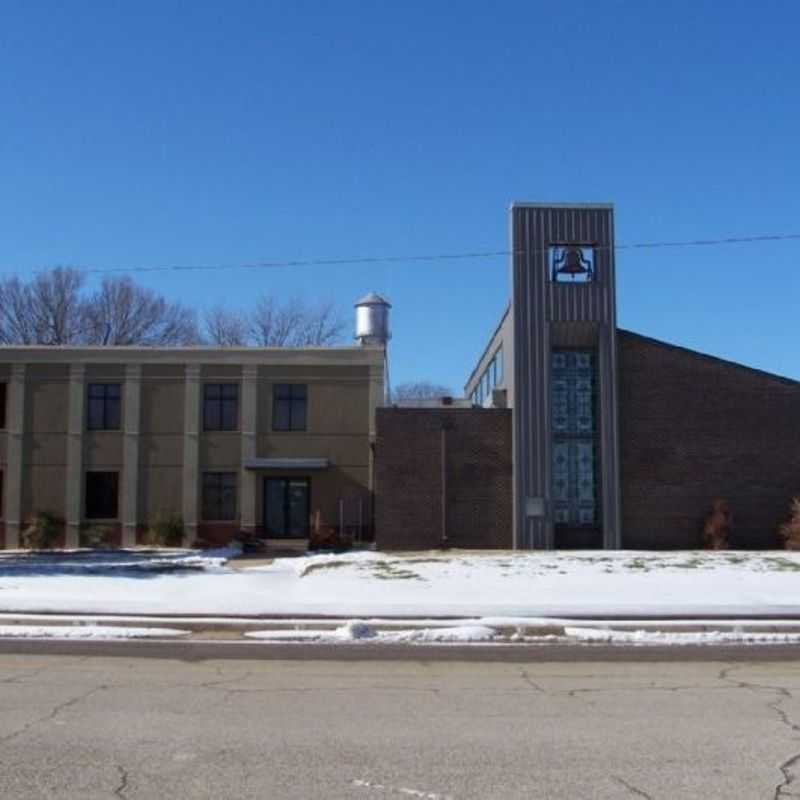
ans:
x=790 y=531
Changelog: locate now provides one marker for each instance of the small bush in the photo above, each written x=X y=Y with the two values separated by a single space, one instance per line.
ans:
x=165 y=530
x=43 y=531
x=790 y=531
x=96 y=536
x=718 y=526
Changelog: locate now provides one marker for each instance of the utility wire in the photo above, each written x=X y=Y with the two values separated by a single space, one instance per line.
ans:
x=321 y=262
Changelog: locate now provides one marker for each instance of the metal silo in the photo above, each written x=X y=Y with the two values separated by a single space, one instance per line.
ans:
x=372 y=320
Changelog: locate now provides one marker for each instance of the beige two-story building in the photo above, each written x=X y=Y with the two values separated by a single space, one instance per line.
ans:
x=274 y=442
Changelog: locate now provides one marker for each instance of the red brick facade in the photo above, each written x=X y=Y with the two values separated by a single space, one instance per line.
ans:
x=408 y=478
x=693 y=428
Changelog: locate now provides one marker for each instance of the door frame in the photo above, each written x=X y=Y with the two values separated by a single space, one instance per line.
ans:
x=287 y=479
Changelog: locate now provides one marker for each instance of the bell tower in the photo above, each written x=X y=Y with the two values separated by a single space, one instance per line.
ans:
x=566 y=448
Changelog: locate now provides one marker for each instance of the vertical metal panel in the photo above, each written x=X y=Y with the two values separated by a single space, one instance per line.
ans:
x=537 y=304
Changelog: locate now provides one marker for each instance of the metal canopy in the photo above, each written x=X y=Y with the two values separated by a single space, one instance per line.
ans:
x=286 y=463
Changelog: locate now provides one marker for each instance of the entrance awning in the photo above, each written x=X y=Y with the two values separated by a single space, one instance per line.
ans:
x=287 y=463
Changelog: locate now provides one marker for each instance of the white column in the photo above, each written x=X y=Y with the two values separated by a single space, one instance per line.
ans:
x=14 y=455
x=191 y=453
x=130 y=471
x=248 y=424
x=74 y=477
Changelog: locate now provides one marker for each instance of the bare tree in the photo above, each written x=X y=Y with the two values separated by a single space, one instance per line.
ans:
x=122 y=313
x=271 y=324
x=420 y=390
x=320 y=326
x=51 y=309
x=47 y=310
x=226 y=328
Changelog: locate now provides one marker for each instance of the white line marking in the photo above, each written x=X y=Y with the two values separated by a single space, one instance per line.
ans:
x=404 y=790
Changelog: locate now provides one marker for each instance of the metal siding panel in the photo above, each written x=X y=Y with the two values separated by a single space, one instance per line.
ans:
x=538 y=302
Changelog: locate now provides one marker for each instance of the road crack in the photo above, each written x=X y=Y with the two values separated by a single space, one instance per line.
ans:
x=631 y=788
x=54 y=712
x=532 y=683
x=783 y=694
x=123 y=781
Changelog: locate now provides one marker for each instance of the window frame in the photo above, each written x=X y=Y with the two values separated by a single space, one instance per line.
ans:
x=86 y=504
x=107 y=401
x=216 y=422
x=291 y=404
x=205 y=505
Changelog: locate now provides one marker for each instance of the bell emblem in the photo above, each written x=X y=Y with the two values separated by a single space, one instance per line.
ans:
x=570 y=262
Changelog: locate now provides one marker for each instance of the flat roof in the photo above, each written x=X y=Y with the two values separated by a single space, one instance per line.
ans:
x=196 y=354
x=526 y=204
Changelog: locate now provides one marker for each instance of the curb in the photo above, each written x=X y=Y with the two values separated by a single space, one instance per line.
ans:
x=221 y=629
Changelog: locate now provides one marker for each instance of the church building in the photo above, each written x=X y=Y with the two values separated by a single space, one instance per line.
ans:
x=579 y=434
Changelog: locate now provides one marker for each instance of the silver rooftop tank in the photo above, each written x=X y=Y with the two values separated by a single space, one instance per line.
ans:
x=372 y=320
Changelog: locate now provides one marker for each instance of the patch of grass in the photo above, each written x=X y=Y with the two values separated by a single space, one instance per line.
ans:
x=307 y=570
x=389 y=570
x=637 y=564
x=736 y=559
x=781 y=564
x=692 y=563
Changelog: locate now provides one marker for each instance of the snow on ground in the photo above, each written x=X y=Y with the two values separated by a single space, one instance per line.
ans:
x=111 y=562
x=85 y=632
x=672 y=637
x=356 y=630
x=359 y=631
x=566 y=584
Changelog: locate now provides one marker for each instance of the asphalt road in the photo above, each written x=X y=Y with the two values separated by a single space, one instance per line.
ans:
x=97 y=726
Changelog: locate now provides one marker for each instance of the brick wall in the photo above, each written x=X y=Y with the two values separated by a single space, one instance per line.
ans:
x=408 y=478
x=693 y=428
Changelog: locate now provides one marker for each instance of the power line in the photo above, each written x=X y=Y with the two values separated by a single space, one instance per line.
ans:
x=777 y=237
x=322 y=262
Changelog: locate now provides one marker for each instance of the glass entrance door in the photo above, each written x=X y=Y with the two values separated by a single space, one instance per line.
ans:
x=287 y=507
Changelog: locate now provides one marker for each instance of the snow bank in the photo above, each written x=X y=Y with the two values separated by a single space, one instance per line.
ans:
x=358 y=631
x=85 y=632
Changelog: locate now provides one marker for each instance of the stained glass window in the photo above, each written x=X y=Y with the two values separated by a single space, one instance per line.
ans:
x=573 y=424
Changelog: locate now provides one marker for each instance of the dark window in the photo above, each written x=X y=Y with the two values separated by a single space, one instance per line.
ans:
x=104 y=407
x=289 y=402
x=221 y=406
x=3 y=389
x=219 y=495
x=102 y=491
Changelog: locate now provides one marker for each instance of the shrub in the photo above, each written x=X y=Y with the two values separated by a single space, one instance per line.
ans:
x=790 y=531
x=165 y=530
x=718 y=526
x=42 y=531
x=96 y=536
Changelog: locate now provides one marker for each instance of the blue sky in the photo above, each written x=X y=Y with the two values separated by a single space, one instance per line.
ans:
x=149 y=134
